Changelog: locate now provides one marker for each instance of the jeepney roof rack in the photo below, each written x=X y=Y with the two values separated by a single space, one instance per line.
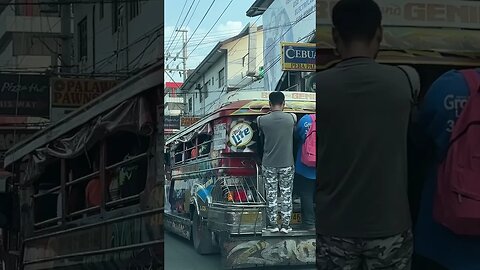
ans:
x=147 y=78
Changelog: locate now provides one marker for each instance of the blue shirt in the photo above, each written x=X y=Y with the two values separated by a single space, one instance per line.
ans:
x=301 y=131
x=441 y=108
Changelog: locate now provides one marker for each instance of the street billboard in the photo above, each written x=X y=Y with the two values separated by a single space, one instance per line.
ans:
x=24 y=95
x=171 y=122
x=74 y=93
x=188 y=121
x=284 y=21
x=298 y=57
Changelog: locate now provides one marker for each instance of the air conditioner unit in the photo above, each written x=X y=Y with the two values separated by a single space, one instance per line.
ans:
x=50 y=7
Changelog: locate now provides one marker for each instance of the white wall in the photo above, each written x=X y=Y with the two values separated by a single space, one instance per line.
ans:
x=235 y=67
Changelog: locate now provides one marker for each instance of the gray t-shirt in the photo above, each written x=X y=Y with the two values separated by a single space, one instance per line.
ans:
x=363 y=113
x=277 y=128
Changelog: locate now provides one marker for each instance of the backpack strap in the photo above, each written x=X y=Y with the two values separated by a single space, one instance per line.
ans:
x=473 y=80
x=413 y=81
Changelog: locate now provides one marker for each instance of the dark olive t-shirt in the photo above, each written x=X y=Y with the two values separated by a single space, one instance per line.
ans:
x=363 y=112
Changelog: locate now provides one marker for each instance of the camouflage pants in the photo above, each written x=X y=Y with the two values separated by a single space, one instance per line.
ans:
x=391 y=253
x=273 y=178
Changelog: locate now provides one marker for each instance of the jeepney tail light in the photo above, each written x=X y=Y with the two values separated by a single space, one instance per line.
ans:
x=237 y=196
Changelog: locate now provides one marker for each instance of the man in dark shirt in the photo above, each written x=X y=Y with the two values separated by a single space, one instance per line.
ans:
x=362 y=211
x=278 y=167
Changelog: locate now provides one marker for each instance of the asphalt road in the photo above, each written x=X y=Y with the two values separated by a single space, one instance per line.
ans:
x=180 y=255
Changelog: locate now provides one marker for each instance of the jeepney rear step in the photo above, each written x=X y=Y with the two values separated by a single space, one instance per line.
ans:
x=294 y=232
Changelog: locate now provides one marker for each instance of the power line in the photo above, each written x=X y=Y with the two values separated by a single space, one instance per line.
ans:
x=218 y=19
x=176 y=24
x=181 y=25
x=203 y=18
x=181 y=29
x=272 y=46
x=76 y=2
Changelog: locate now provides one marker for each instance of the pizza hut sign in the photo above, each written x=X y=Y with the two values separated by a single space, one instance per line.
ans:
x=240 y=135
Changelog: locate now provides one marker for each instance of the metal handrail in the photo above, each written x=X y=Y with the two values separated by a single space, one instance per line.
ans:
x=84 y=211
x=83 y=178
x=127 y=161
x=103 y=222
x=205 y=170
x=126 y=199
x=48 y=221
x=52 y=190
x=97 y=252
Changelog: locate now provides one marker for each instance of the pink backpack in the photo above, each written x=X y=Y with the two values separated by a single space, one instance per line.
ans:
x=457 y=200
x=309 y=147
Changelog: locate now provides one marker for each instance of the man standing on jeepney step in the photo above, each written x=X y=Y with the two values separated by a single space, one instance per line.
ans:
x=362 y=208
x=277 y=129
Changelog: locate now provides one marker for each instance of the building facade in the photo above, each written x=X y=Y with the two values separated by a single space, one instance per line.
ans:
x=284 y=21
x=29 y=36
x=231 y=65
x=117 y=37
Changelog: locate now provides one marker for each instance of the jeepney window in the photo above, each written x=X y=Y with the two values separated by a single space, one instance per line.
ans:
x=204 y=143
x=127 y=166
x=191 y=150
x=179 y=153
x=46 y=199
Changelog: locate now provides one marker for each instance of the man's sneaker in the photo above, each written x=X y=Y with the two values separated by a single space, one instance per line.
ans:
x=272 y=229
x=286 y=230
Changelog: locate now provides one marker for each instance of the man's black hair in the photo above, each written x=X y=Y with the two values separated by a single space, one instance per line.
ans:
x=356 y=20
x=276 y=98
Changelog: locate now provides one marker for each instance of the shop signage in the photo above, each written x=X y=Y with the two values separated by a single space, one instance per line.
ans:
x=74 y=93
x=171 y=122
x=24 y=95
x=188 y=121
x=298 y=57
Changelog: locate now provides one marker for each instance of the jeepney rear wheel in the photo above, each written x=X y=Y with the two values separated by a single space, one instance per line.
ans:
x=202 y=237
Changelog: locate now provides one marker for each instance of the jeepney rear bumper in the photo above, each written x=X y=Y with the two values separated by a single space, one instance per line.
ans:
x=296 y=248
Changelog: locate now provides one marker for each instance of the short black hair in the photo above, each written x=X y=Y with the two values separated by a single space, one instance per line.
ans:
x=356 y=20
x=276 y=98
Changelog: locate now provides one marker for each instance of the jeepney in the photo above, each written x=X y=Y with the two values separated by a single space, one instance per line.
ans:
x=87 y=192
x=215 y=193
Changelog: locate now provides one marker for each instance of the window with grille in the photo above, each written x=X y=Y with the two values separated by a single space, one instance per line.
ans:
x=82 y=39
x=221 y=78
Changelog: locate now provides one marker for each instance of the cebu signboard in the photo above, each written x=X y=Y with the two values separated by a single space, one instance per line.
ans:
x=298 y=57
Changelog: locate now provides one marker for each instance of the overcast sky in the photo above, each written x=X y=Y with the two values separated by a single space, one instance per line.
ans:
x=230 y=24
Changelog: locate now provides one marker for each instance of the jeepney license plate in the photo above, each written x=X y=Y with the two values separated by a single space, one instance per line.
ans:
x=296 y=218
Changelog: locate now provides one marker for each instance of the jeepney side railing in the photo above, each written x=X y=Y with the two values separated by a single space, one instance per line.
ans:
x=237 y=202
x=57 y=221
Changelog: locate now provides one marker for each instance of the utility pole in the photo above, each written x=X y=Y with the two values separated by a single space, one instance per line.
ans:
x=66 y=17
x=183 y=57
